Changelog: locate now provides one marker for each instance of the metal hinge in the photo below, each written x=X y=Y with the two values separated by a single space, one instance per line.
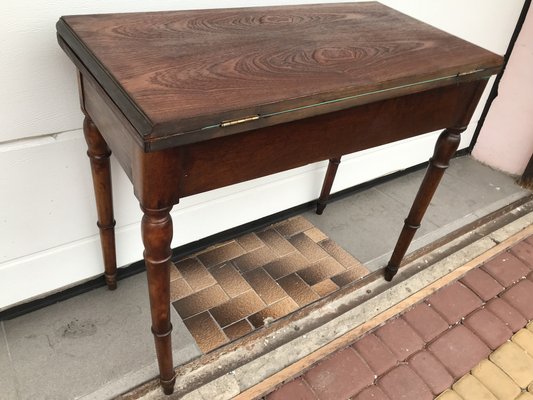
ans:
x=232 y=122
x=469 y=72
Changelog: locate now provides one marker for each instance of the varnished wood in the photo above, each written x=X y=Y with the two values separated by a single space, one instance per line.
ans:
x=99 y=153
x=176 y=72
x=318 y=81
x=156 y=230
x=333 y=165
x=445 y=148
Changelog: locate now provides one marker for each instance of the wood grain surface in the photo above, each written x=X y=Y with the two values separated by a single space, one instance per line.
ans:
x=176 y=72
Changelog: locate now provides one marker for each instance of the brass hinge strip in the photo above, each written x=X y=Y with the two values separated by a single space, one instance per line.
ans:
x=232 y=122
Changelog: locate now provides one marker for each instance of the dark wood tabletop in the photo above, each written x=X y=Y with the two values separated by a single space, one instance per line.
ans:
x=181 y=74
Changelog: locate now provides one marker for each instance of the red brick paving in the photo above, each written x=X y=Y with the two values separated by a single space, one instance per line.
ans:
x=418 y=354
x=507 y=313
x=520 y=296
x=403 y=383
x=298 y=389
x=372 y=393
x=400 y=338
x=488 y=328
x=459 y=350
x=523 y=251
x=425 y=321
x=431 y=371
x=376 y=354
x=482 y=284
x=506 y=269
x=340 y=377
x=454 y=301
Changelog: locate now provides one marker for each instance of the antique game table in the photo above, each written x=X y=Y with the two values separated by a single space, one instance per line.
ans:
x=191 y=101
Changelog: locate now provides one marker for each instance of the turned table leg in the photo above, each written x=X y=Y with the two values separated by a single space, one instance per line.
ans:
x=446 y=146
x=328 y=183
x=99 y=153
x=156 y=229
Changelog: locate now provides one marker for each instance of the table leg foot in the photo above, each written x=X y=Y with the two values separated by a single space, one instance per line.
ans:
x=99 y=154
x=328 y=183
x=156 y=229
x=390 y=271
x=446 y=146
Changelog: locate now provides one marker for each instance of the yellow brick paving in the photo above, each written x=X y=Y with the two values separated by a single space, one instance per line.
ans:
x=506 y=375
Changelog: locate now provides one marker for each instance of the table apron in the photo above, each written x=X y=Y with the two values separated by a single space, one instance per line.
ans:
x=162 y=177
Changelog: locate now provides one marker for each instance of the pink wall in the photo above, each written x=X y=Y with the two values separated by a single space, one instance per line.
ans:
x=506 y=139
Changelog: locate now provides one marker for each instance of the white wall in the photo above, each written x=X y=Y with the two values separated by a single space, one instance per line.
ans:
x=48 y=236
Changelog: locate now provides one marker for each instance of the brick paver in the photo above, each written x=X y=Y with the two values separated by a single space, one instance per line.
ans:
x=482 y=284
x=497 y=381
x=454 y=302
x=341 y=376
x=524 y=251
x=372 y=393
x=507 y=313
x=400 y=338
x=378 y=356
x=403 y=383
x=515 y=362
x=459 y=350
x=469 y=388
x=488 y=328
x=431 y=371
x=298 y=389
x=506 y=268
x=520 y=296
x=425 y=321
x=524 y=338
x=441 y=348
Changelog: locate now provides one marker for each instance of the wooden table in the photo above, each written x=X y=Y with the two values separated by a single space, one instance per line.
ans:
x=190 y=101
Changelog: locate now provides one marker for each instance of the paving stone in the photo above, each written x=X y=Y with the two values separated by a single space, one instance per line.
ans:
x=229 y=279
x=524 y=251
x=425 y=321
x=507 y=313
x=195 y=274
x=403 y=383
x=249 y=241
x=488 y=327
x=494 y=379
x=237 y=308
x=293 y=226
x=515 y=362
x=459 y=350
x=524 y=338
x=431 y=371
x=311 y=250
x=520 y=296
x=295 y=287
x=205 y=331
x=453 y=302
x=276 y=242
x=297 y=390
x=400 y=338
x=378 y=356
x=340 y=377
x=325 y=287
x=529 y=239
x=506 y=268
x=525 y=396
x=220 y=254
x=469 y=388
x=482 y=284
x=371 y=393
x=449 y=395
